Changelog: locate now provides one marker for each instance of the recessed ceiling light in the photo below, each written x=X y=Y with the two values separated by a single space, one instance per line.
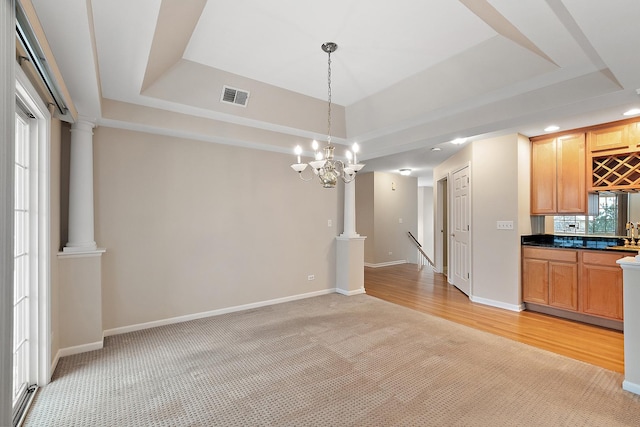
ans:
x=632 y=112
x=405 y=172
x=459 y=141
x=551 y=128
x=436 y=149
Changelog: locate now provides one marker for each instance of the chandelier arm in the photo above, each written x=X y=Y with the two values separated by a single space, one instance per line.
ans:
x=343 y=174
x=300 y=175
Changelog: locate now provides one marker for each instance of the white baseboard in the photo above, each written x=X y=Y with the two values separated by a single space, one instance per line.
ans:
x=633 y=388
x=68 y=351
x=350 y=293
x=385 y=264
x=498 y=304
x=202 y=315
x=54 y=364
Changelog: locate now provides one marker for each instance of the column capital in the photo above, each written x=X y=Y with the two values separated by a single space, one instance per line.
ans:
x=83 y=124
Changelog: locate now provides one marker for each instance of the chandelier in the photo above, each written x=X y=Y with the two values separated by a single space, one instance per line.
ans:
x=324 y=166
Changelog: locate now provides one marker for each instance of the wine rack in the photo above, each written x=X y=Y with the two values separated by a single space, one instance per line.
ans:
x=616 y=172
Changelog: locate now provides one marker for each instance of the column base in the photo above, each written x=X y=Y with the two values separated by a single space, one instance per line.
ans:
x=80 y=290
x=350 y=265
x=80 y=247
x=349 y=236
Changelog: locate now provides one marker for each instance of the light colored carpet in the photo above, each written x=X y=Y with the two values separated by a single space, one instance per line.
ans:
x=328 y=361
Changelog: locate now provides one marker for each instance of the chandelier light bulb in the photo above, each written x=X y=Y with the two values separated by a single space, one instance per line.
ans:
x=314 y=145
x=355 y=147
x=349 y=156
x=298 y=151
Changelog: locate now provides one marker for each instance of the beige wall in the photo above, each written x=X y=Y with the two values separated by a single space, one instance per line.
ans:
x=191 y=226
x=387 y=239
x=365 y=214
x=499 y=192
x=496 y=170
x=426 y=238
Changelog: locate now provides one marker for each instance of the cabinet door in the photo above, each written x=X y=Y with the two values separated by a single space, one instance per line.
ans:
x=601 y=289
x=608 y=138
x=563 y=285
x=535 y=281
x=571 y=173
x=543 y=177
x=634 y=136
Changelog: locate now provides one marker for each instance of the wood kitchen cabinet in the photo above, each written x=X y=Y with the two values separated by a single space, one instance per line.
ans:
x=583 y=285
x=614 y=138
x=634 y=136
x=558 y=175
x=550 y=277
x=601 y=285
x=608 y=138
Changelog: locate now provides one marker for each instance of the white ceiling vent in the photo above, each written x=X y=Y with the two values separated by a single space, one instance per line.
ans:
x=231 y=95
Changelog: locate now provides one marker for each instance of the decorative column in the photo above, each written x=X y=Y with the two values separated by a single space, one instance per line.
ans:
x=631 y=301
x=350 y=249
x=81 y=189
x=350 y=210
x=80 y=262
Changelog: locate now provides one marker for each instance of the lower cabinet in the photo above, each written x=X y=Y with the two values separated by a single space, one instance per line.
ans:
x=581 y=281
x=550 y=277
x=601 y=284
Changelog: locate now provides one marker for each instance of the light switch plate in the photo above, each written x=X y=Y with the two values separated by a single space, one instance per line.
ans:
x=504 y=225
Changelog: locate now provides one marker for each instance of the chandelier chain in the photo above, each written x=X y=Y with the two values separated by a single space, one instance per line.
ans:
x=329 y=98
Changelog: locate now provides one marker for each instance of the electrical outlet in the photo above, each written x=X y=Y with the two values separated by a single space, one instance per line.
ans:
x=311 y=277
x=399 y=220
x=504 y=225
x=329 y=223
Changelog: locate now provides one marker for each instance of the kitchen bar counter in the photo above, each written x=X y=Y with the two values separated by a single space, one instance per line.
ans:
x=576 y=242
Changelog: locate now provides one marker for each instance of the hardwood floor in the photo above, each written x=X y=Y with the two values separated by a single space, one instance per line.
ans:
x=429 y=292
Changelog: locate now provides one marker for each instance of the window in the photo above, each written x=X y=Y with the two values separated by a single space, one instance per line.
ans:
x=610 y=211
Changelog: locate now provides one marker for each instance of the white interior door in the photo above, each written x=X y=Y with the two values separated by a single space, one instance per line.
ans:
x=460 y=264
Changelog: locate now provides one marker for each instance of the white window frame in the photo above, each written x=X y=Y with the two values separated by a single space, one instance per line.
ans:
x=41 y=258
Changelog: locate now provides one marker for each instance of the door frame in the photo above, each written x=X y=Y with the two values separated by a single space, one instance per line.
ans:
x=41 y=330
x=441 y=226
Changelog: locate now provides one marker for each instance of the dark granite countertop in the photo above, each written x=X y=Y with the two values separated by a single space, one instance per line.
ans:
x=575 y=242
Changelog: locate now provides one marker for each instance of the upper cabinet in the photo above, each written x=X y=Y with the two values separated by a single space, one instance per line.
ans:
x=558 y=172
x=614 y=159
x=608 y=138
